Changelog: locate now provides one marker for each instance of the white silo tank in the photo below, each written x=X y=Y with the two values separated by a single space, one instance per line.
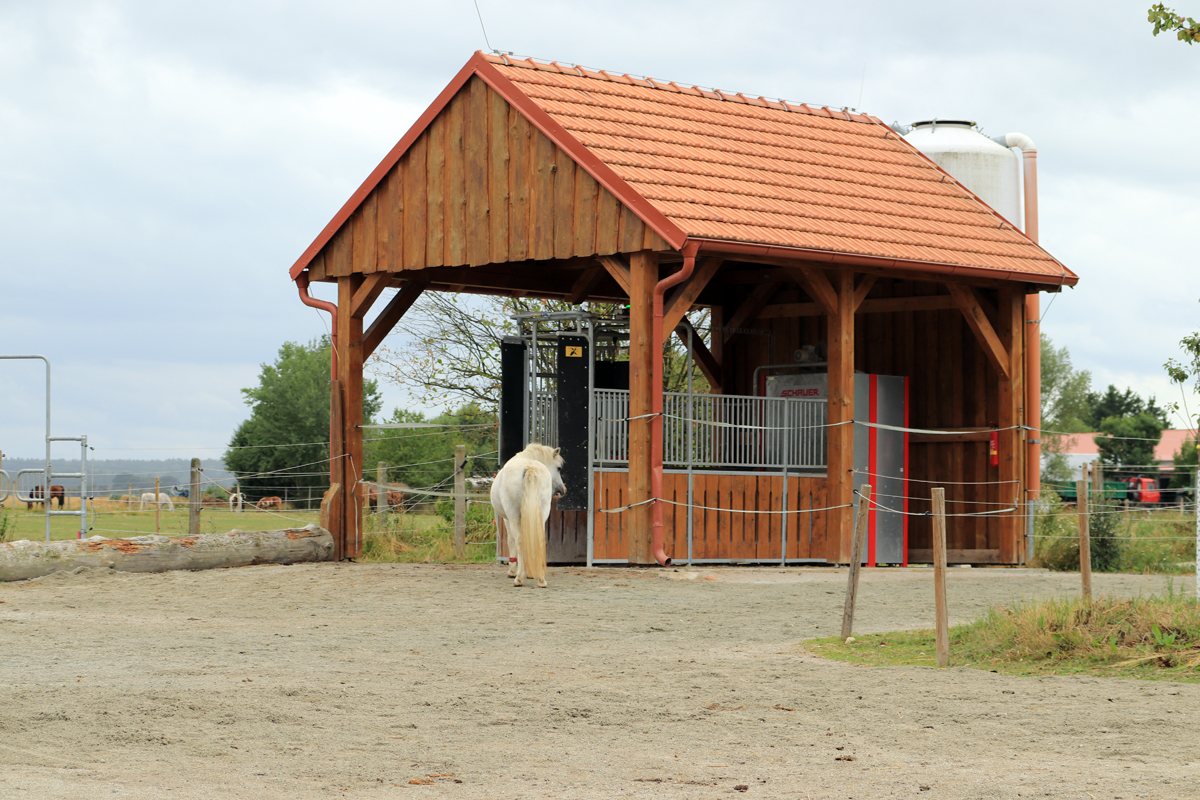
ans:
x=988 y=169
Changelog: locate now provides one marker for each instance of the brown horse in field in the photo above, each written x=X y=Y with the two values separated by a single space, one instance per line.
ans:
x=269 y=502
x=38 y=493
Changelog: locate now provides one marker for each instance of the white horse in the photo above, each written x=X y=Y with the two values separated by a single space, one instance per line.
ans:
x=521 y=496
x=163 y=497
x=237 y=501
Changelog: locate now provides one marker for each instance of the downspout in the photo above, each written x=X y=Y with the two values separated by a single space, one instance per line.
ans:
x=1033 y=319
x=656 y=402
x=324 y=305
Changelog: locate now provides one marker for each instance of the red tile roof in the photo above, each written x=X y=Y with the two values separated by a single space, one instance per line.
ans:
x=705 y=164
x=740 y=169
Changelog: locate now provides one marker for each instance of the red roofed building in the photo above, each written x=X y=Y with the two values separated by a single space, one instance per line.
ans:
x=810 y=224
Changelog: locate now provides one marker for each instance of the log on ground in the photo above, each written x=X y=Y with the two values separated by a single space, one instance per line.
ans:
x=26 y=559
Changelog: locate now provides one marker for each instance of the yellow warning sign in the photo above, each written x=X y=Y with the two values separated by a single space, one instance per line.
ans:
x=574 y=352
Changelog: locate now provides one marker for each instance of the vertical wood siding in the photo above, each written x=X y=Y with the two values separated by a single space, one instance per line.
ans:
x=480 y=186
x=721 y=534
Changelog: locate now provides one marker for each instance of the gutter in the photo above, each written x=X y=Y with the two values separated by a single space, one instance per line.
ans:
x=1065 y=278
x=323 y=305
x=656 y=401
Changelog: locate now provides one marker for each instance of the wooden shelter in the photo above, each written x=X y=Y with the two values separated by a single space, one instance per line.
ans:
x=813 y=224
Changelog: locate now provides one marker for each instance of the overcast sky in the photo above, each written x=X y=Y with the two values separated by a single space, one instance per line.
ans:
x=163 y=164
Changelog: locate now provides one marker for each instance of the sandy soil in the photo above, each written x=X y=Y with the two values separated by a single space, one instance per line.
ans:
x=354 y=681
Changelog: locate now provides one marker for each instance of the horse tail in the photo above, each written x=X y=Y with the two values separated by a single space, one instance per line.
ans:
x=533 y=524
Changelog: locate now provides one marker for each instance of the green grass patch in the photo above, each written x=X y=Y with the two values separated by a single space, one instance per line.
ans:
x=115 y=521
x=1141 y=541
x=421 y=538
x=1149 y=638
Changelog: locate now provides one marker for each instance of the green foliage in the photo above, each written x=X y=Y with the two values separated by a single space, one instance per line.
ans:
x=1181 y=372
x=288 y=428
x=1104 y=529
x=481 y=521
x=428 y=538
x=1133 y=439
x=8 y=525
x=1138 y=542
x=423 y=457
x=1167 y=20
x=1117 y=404
x=1065 y=391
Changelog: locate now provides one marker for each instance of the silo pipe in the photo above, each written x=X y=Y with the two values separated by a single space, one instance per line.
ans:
x=656 y=401
x=1033 y=328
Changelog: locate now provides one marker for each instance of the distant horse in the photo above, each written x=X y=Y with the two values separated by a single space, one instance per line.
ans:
x=269 y=502
x=38 y=493
x=163 y=497
x=393 y=498
x=521 y=496
x=237 y=501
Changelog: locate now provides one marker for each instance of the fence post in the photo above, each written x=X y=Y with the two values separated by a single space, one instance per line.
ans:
x=237 y=490
x=460 y=501
x=157 y=507
x=939 y=577
x=194 y=500
x=1085 y=540
x=856 y=553
x=1196 y=511
x=381 y=477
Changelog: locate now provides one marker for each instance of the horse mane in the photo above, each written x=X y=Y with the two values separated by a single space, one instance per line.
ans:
x=547 y=455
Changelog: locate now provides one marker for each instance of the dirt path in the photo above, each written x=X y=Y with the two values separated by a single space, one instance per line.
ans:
x=320 y=681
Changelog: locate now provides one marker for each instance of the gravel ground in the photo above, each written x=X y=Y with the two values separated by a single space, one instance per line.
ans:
x=381 y=681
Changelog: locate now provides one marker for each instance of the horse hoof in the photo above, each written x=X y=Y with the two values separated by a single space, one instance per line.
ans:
x=543 y=585
x=518 y=583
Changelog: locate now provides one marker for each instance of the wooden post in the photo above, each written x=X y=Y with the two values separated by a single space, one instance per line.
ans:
x=1098 y=477
x=856 y=558
x=460 y=501
x=1085 y=539
x=643 y=274
x=156 y=506
x=333 y=518
x=237 y=490
x=1012 y=415
x=840 y=457
x=194 y=500
x=381 y=478
x=350 y=374
x=939 y=577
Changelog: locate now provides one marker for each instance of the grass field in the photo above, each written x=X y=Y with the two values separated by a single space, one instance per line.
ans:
x=1150 y=638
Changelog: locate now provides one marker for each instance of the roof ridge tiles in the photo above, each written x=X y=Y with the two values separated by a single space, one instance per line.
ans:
x=671 y=86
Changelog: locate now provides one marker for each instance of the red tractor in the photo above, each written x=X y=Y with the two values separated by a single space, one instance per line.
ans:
x=1143 y=491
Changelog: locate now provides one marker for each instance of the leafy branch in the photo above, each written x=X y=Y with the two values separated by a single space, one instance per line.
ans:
x=1166 y=20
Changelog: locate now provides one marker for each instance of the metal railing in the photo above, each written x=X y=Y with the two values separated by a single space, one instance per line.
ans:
x=709 y=430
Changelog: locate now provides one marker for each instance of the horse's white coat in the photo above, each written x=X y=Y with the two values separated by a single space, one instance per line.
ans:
x=163 y=497
x=523 y=489
x=237 y=501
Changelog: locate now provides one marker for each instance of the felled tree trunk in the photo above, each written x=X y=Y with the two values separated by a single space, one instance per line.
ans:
x=29 y=559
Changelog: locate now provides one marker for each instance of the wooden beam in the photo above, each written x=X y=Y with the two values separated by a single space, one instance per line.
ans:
x=860 y=291
x=619 y=272
x=840 y=439
x=350 y=375
x=709 y=367
x=681 y=300
x=584 y=285
x=643 y=274
x=963 y=435
x=968 y=303
x=366 y=294
x=391 y=314
x=816 y=283
x=1012 y=406
x=878 y=305
x=749 y=309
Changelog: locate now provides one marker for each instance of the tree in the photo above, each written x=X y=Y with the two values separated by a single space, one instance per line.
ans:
x=1114 y=403
x=1065 y=406
x=287 y=433
x=1133 y=439
x=1187 y=370
x=452 y=347
x=1065 y=401
x=1167 y=19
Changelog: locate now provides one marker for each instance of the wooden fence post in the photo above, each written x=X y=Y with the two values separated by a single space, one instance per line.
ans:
x=460 y=501
x=939 y=577
x=856 y=556
x=156 y=506
x=237 y=490
x=381 y=479
x=194 y=500
x=1085 y=539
